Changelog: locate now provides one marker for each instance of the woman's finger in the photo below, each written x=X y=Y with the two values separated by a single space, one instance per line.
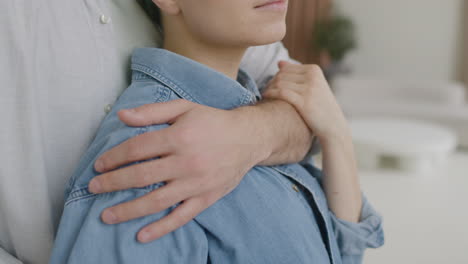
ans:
x=290 y=77
x=285 y=66
x=287 y=95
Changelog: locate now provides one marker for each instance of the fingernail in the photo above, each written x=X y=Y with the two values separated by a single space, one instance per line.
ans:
x=95 y=186
x=144 y=236
x=131 y=111
x=99 y=166
x=109 y=217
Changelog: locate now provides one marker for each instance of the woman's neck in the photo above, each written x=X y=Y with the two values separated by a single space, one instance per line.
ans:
x=223 y=59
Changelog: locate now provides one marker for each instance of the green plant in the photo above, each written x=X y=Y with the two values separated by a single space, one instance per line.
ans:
x=336 y=36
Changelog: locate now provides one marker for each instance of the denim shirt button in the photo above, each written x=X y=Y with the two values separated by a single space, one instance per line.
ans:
x=295 y=188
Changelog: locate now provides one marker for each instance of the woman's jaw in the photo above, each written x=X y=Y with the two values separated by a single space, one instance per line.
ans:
x=217 y=32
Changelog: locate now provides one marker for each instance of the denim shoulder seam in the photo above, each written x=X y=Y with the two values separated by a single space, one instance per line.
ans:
x=72 y=181
x=161 y=94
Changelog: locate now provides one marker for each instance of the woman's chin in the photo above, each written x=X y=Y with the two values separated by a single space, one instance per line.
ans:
x=265 y=39
x=268 y=34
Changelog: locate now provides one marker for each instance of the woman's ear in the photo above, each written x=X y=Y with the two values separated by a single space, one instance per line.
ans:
x=170 y=7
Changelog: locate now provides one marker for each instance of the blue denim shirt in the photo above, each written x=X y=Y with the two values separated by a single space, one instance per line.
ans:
x=277 y=214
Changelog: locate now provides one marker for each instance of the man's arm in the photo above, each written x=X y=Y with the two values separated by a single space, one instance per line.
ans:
x=208 y=153
x=290 y=137
x=213 y=149
x=281 y=130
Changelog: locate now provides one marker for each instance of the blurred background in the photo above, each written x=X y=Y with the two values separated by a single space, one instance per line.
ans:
x=399 y=70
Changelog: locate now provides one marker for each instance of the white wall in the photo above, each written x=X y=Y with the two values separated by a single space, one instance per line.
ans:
x=409 y=39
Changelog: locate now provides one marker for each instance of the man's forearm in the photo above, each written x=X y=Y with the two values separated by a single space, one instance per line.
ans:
x=278 y=130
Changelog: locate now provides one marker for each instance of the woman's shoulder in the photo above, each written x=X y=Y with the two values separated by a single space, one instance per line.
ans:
x=112 y=131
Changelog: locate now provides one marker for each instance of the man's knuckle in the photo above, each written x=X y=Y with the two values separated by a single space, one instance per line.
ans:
x=141 y=110
x=181 y=220
x=184 y=136
x=198 y=165
x=185 y=102
x=107 y=181
x=315 y=69
x=133 y=150
x=283 y=85
x=104 y=161
x=311 y=77
x=120 y=211
x=159 y=200
x=132 y=154
x=169 y=139
x=279 y=77
x=209 y=199
x=281 y=81
x=142 y=175
x=284 y=93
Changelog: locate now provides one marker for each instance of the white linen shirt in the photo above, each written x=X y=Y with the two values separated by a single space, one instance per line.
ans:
x=64 y=62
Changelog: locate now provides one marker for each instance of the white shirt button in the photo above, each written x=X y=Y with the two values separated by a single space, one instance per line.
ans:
x=108 y=108
x=104 y=19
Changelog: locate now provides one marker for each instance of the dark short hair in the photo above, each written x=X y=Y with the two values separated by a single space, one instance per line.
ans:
x=152 y=10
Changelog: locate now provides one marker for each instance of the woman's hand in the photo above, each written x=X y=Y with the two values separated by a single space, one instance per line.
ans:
x=305 y=87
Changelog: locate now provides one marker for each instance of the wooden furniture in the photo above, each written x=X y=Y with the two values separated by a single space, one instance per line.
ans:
x=302 y=16
x=464 y=64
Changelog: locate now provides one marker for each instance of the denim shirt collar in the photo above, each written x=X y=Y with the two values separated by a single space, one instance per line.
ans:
x=194 y=81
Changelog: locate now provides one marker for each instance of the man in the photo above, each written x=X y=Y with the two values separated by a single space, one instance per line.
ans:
x=65 y=63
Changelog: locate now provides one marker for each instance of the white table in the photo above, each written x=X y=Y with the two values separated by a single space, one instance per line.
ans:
x=411 y=145
x=425 y=216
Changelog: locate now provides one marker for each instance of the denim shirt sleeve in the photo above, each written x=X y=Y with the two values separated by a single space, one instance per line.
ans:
x=354 y=238
x=81 y=228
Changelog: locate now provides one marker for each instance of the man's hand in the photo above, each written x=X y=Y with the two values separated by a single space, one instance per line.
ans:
x=204 y=154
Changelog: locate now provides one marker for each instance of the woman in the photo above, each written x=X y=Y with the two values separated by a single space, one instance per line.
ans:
x=276 y=214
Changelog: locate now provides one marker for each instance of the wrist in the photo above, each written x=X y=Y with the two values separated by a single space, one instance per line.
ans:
x=255 y=134
x=338 y=137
